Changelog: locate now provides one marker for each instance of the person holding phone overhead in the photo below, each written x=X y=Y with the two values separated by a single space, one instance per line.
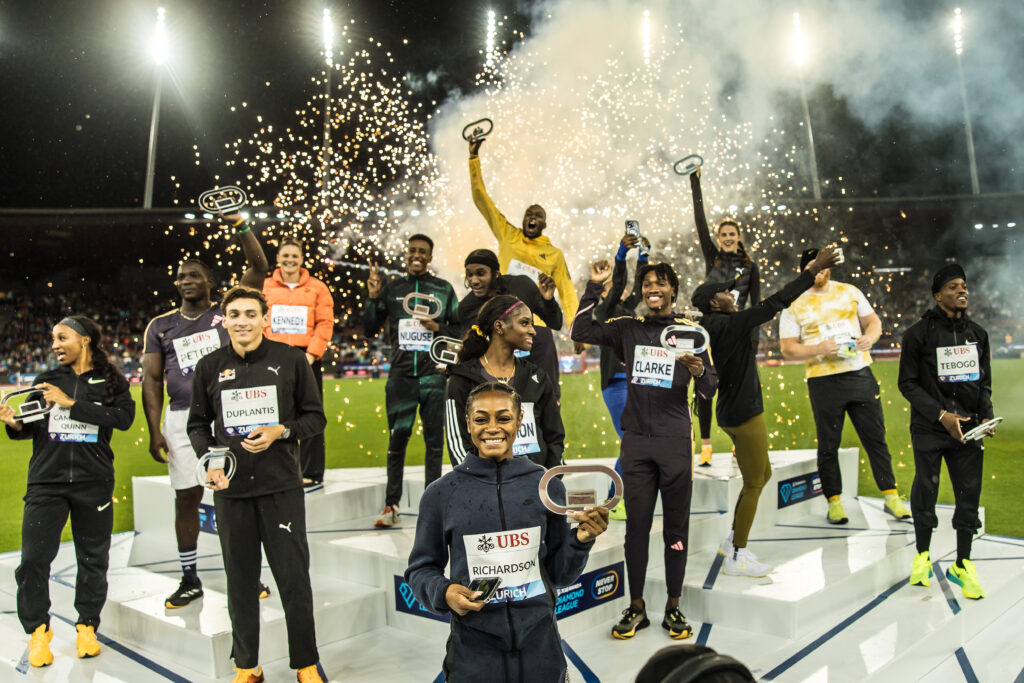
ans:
x=485 y=520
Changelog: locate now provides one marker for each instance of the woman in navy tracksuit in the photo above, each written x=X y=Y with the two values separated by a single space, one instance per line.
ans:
x=656 y=428
x=484 y=519
x=71 y=472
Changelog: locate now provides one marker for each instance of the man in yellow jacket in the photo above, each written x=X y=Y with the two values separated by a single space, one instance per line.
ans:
x=527 y=251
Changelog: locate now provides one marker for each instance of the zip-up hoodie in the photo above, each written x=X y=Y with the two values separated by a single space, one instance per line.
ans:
x=541 y=438
x=311 y=294
x=492 y=510
x=651 y=410
x=272 y=384
x=387 y=307
x=514 y=244
x=55 y=458
x=919 y=377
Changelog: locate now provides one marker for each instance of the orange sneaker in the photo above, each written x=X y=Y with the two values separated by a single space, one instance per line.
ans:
x=39 y=647
x=308 y=674
x=248 y=675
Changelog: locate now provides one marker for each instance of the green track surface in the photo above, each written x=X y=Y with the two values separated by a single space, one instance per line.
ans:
x=357 y=437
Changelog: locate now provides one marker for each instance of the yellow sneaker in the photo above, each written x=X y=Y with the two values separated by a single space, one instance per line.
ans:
x=836 y=513
x=86 y=641
x=967 y=579
x=921 y=570
x=308 y=674
x=248 y=675
x=895 y=507
x=705 y=456
x=39 y=647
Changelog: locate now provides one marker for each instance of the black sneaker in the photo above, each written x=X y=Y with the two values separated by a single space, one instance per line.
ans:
x=632 y=620
x=675 y=623
x=190 y=588
x=264 y=591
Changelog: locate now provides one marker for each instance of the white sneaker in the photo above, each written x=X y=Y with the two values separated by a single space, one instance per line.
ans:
x=742 y=562
x=388 y=517
x=725 y=550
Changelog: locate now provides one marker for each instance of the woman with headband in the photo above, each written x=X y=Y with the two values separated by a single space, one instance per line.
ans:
x=485 y=520
x=71 y=472
x=725 y=262
x=504 y=325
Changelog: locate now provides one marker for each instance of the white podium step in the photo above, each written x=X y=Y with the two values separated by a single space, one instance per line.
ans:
x=837 y=607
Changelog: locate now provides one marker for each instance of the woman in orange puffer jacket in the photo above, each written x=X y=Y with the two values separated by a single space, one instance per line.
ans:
x=301 y=315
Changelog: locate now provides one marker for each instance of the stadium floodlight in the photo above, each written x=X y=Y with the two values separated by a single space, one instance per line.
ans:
x=958 y=48
x=159 y=51
x=327 y=30
x=492 y=32
x=800 y=56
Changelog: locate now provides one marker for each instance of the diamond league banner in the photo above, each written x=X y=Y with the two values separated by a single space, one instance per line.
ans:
x=798 y=489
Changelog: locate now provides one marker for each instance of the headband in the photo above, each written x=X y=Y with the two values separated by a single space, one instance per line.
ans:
x=75 y=325
x=509 y=309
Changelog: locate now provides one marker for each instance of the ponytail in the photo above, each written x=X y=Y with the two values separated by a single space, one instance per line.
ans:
x=478 y=337
x=101 y=362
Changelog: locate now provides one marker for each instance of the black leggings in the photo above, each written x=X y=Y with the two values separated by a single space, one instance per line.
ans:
x=705 y=410
x=653 y=464
x=47 y=507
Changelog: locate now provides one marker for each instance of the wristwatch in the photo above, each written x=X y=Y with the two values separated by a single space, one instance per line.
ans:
x=286 y=433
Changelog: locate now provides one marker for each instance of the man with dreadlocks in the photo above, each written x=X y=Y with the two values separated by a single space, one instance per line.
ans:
x=174 y=343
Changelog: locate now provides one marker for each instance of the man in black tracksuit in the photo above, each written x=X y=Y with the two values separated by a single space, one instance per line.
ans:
x=262 y=399
x=542 y=435
x=413 y=380
x=656 y=449
x=485 y=281
x=946 y=375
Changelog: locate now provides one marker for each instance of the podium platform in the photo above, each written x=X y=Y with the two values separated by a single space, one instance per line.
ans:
x=837 y=607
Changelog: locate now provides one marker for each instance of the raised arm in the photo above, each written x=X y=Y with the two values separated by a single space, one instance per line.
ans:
x=566 y=290
x=374 y=310
x=763 y=311
x=707 y=246
x=584 y=328
x=496 y=220
x=258 y=266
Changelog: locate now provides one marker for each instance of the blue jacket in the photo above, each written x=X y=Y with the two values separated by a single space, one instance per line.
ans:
x=493 y=510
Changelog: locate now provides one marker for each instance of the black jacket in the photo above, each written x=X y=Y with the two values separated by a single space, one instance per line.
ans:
x=56 y=461
x=521 y=287
x=388 y=308
x=271 y=369
x=475 y=505
x=650 y=410
x=739 y=387
x=534 y=388
x=919 y=377
x=723 y=266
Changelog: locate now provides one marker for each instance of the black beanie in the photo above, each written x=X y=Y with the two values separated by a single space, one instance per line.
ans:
x=484 y=257
x=702 y=296
x=950 y=271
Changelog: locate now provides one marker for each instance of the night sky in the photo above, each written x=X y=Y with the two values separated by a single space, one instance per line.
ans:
x=77 y=86
x=77 y=83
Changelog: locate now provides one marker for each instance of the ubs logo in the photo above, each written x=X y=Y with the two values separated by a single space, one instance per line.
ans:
x=486 y=543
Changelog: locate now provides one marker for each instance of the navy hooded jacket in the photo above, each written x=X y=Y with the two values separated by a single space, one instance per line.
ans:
x=485 y=518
